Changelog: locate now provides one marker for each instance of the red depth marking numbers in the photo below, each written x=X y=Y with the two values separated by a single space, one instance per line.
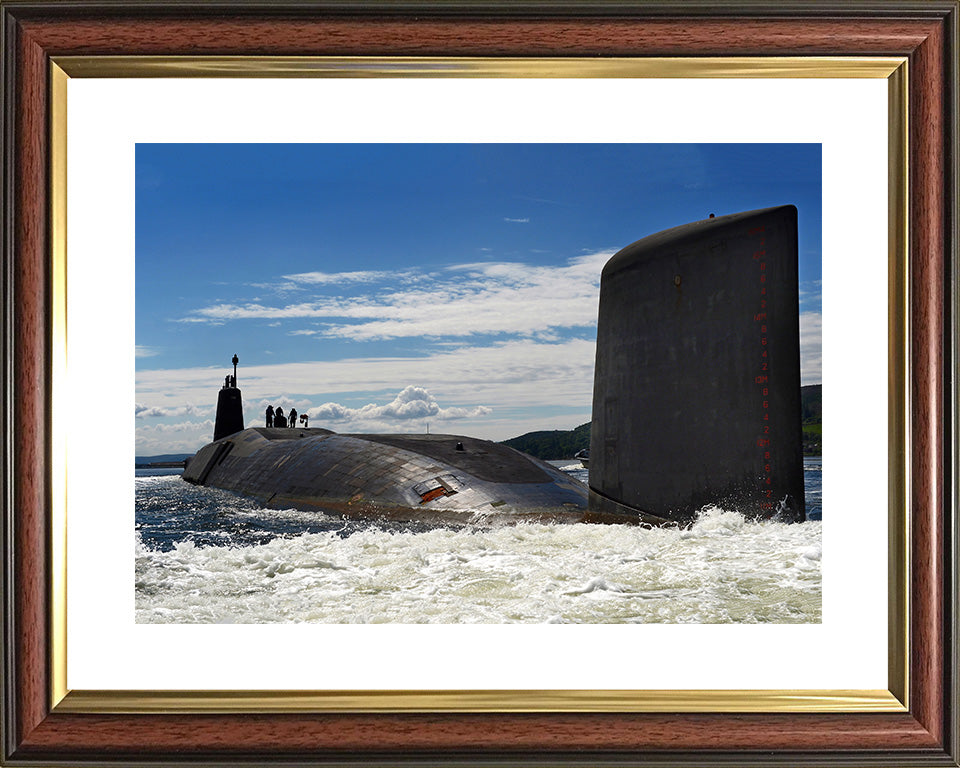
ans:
x=762 y=379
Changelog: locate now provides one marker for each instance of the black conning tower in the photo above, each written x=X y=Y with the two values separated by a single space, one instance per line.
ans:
x=229 y=407
x=696 y=396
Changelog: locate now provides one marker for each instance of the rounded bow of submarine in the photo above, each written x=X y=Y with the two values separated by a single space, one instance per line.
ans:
x=447 y=479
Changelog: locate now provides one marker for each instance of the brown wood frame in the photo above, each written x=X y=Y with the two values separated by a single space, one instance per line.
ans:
x=925 y=32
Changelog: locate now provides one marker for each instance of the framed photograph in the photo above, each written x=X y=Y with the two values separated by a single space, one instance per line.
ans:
x=114 y=117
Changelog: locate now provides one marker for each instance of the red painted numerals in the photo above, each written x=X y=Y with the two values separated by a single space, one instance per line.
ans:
x=762 y=378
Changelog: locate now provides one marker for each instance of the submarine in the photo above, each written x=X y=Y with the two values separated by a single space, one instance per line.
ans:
x=696 y=401
x=435 y=480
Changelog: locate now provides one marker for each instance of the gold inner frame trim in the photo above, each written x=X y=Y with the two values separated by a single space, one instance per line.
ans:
x=426 y=66
x=389 y=701
x=898 y=384
x=893 y=69
x=58 y=367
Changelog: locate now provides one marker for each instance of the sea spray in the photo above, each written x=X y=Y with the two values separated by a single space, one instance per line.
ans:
x=721 y=569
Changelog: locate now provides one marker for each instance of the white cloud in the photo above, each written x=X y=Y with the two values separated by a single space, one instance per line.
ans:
x=142 y=351
x=301 y=280
x=334 y=278
x=520 y=379
x=156 y=411
x=516 y=221
x=503 y=298
x=185 y=437
x=811 y=352
x=522 y=372
x=411 y=403
x=810 y=292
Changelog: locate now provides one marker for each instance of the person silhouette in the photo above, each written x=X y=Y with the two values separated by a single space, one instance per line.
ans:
x=293 y=417
x=269 y=415
x=279 y=420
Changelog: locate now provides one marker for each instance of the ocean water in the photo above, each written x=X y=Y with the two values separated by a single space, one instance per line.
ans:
x=208 y=556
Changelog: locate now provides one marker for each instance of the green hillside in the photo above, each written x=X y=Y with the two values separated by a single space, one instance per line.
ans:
x=553 y=444
x=563 y=444
x=811 y=413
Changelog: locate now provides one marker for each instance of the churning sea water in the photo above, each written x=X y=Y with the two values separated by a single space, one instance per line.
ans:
x=208 y=556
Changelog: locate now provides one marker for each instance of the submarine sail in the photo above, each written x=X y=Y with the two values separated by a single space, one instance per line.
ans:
x=229 y=406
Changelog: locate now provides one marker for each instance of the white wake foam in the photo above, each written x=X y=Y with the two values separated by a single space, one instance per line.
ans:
x=722 y=568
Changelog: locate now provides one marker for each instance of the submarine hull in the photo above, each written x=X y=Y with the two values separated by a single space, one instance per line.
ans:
x=403 y=478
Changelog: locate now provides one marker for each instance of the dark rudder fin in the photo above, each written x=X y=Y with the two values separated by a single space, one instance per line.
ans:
x=697 y=383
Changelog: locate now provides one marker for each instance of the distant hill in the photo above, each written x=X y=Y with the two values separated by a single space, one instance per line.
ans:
x=164 y=458
x=811 y=412
x=563 y=444
x=553 y=444
x=811 y=402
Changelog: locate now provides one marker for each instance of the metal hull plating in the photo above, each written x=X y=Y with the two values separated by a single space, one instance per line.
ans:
x=696 y=397
x=434 y=479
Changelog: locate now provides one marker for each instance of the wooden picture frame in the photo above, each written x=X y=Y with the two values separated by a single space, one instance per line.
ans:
x=38 y=732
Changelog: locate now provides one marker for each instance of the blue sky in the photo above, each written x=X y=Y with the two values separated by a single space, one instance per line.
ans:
x=396 y=287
